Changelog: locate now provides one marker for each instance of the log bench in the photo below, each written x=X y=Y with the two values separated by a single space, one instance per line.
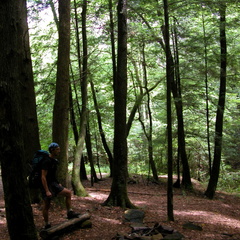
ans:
x=81 y=222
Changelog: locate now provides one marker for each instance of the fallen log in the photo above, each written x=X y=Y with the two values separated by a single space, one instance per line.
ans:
x=66 y=226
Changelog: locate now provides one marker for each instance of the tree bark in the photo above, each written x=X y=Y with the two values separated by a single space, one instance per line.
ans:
x=112 y=36
x=176 y=92
x=61 y=103
x=73 y=117
x=178 y=104
x=28 y=103
x=169 y=70
x=118 y=195
x=88 y=141
x=212 y=185
x=13 y=73
x=149 y=114
x=207 y=95
x=77 y=185
x=30 y=122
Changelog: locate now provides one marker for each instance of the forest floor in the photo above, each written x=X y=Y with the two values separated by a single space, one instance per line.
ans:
x=219 y=218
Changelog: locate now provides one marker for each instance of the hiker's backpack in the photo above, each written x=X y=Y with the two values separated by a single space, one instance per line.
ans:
x=35 y=173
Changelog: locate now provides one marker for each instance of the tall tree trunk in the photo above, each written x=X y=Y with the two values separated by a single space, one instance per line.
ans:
x=169 y=70
x=77 y=185
x=207 y=95
x=118 y=195
x=29 y=100
x=177 y=184
x=212 y=185
x=30 y=122
x=61 y=104
x=177 y=95
x=149 y=117
x=83 y=173
x=114 y=70
x=103 y=138
x=13 y=72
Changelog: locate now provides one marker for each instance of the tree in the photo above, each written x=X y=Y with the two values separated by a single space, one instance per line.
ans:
x=212 y=185
x=101 y=131
x=207 y=94
x=88 y=141
x=13 y=71
x=175 y=88
x=61 y=103
x=169 y=70
x=177 y=95
x=28 y=103
x=118 y=195
x=77 y=185
x=148 y=129
x=83 y=173
x=31 y=132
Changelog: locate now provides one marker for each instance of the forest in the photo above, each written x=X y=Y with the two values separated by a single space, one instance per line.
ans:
x=127 y=88
x=194 y=33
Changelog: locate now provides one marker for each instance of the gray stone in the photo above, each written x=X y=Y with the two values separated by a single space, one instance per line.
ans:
x=134 y=215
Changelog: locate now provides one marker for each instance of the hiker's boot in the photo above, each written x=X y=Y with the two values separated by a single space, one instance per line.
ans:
x=47 y=226
x=71 y=214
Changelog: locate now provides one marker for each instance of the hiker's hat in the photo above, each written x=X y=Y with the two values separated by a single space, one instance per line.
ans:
x=52 y=146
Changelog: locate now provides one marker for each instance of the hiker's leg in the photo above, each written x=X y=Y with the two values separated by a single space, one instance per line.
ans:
x=70 y=213
x=67 y=193
x=45 y=210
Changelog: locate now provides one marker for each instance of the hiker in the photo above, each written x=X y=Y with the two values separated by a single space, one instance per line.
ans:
x=51 y=187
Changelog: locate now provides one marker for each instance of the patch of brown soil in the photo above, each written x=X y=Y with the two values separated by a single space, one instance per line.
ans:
x=219 y=218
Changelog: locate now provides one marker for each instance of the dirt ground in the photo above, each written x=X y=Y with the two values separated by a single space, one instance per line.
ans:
x=219 y=218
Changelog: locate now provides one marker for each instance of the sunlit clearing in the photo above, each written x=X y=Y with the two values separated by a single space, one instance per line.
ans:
x=210 y=217
x=98 y=195
x=113 y=221
x=140 y=203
